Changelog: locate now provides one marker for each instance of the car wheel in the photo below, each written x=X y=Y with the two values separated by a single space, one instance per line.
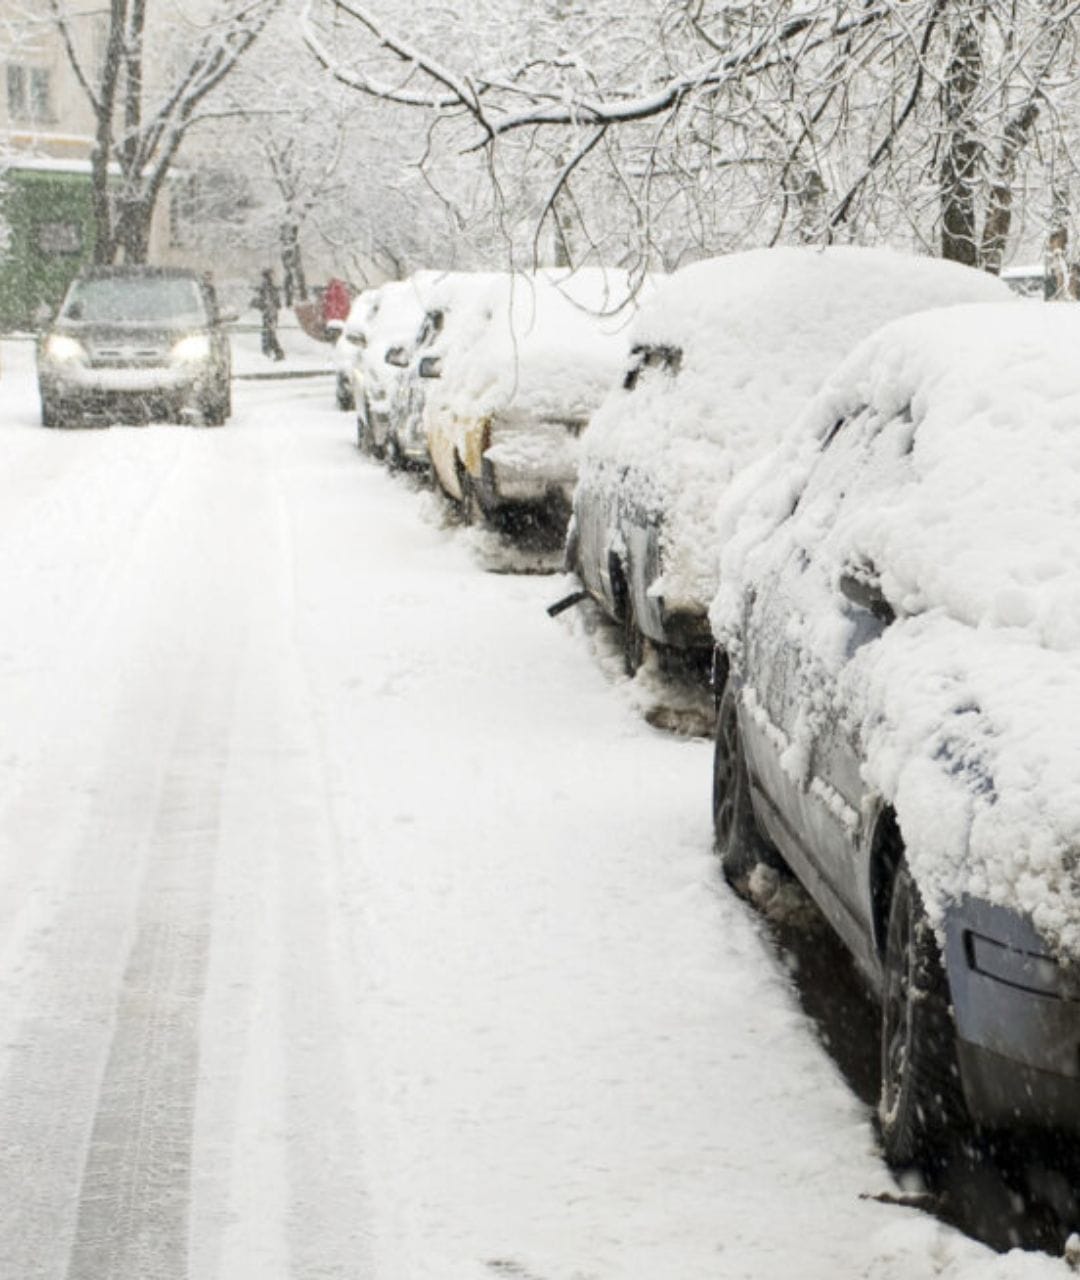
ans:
x=632 y=636
x=363 y=438
x=921 y=1102
x=344 y=394
x=468 y=504
x=216 y=409
x=50 y=412
x=738 y=843
x=394 y=459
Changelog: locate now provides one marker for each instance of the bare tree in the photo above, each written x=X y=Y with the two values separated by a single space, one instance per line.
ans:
x=751 y=122
x=145 y=105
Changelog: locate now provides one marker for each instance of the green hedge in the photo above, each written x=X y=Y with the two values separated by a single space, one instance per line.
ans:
x=49 y=219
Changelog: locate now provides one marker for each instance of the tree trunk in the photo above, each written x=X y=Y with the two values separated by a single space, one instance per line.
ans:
x=960 y=164
x=292 y=265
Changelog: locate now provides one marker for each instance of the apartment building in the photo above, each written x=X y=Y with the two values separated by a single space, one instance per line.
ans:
x=46 y=140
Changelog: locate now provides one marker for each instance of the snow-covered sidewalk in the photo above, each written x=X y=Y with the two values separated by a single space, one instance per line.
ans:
x=352 y=922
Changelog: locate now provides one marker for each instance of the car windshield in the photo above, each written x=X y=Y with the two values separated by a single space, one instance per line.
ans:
x=170 y=300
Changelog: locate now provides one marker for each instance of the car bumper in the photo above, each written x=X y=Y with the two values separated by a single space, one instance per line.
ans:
x=1018 y=1029
x=506 y=485
x=128 y=394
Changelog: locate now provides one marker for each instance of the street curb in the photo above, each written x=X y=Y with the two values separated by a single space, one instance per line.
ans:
x=275 y=375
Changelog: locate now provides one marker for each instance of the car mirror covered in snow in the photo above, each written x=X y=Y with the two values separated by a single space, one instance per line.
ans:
x=398 y=357
x=860 y=585
x=430 y=367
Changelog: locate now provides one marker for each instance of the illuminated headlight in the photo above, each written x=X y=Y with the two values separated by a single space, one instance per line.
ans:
x=1038 y=973
x=64 y=350
x=190 y=350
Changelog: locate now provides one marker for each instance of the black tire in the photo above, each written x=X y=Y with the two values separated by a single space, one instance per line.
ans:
x=363 y=438
x=50 y=412
x=632 y=636
x=739 y=845
x=921 y=1107
x=343 y=393
x=394 y=459
x=467 y=505
x=217 y=408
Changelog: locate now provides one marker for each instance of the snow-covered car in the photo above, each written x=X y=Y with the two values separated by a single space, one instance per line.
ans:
x=513 y=399
x=724 y=356
x=406 y=442
x=899 y=621
x=135 y=343
x=384 y=356
x=349 y=344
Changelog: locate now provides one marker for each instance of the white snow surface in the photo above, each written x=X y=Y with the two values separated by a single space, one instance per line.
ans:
x=352 y=925
x=967 y=704
x=547 y=344
x=759 y=332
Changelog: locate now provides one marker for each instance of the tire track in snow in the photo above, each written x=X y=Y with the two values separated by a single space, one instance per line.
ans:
x=115 y=833
x=133 y=1206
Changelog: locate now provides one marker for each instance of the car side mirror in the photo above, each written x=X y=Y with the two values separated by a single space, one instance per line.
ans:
x=228 y=315
x=860 y=585
x=355 y=338
x=398 y=357
x=430 y=367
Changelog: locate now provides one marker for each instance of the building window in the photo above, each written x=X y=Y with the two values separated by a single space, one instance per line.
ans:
x=29 y=93
x=59 y=239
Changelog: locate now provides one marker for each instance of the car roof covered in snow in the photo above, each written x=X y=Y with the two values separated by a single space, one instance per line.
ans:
x=545 y=342
x=756 y=334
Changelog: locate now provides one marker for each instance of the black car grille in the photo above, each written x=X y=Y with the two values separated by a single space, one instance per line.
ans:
x=127 y=357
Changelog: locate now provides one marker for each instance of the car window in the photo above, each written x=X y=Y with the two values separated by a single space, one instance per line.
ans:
x=659 y=356
x=172 y=300
x=864 y=456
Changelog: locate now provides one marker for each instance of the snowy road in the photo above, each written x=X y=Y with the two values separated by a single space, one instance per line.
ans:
x=352 y=924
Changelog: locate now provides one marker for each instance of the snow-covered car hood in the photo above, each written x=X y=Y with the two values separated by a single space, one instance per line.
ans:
x=966 y=705
x=758 y=333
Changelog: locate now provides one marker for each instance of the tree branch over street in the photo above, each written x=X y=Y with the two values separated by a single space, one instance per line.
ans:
x=831 y=120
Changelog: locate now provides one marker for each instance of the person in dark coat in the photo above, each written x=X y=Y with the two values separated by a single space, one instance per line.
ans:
x=268 y=300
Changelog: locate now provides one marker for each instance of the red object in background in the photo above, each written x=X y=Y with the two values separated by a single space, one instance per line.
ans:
x=336 y=301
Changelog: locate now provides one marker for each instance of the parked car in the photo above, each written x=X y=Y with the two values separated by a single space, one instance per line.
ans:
x=723 y=357
x=406 y=442
x=516 y=390
x=136 y=343
x=383 y=358
x=349 y=345
x=899 y=631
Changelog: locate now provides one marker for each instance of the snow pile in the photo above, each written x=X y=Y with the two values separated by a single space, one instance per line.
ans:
x=956 y=476
x=758 y=333
x=549 y=344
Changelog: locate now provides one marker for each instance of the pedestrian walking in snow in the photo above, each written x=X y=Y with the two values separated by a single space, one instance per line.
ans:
x=268 y=300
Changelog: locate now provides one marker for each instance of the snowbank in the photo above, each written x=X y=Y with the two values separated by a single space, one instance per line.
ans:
x=966 y=705
x=758 y=333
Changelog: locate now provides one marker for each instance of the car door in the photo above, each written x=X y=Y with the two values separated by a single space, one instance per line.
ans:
x=637 y=515
x=817 y=604
x=872 y=463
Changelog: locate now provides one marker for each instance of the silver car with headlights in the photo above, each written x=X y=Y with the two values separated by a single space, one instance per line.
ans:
x=136 y=344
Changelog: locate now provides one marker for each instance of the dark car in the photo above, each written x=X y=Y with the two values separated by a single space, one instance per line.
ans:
x=136 y=344
x=899 y=666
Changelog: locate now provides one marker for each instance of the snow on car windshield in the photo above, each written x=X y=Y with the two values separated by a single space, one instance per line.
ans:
x=967 y=510
x=170 y=300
